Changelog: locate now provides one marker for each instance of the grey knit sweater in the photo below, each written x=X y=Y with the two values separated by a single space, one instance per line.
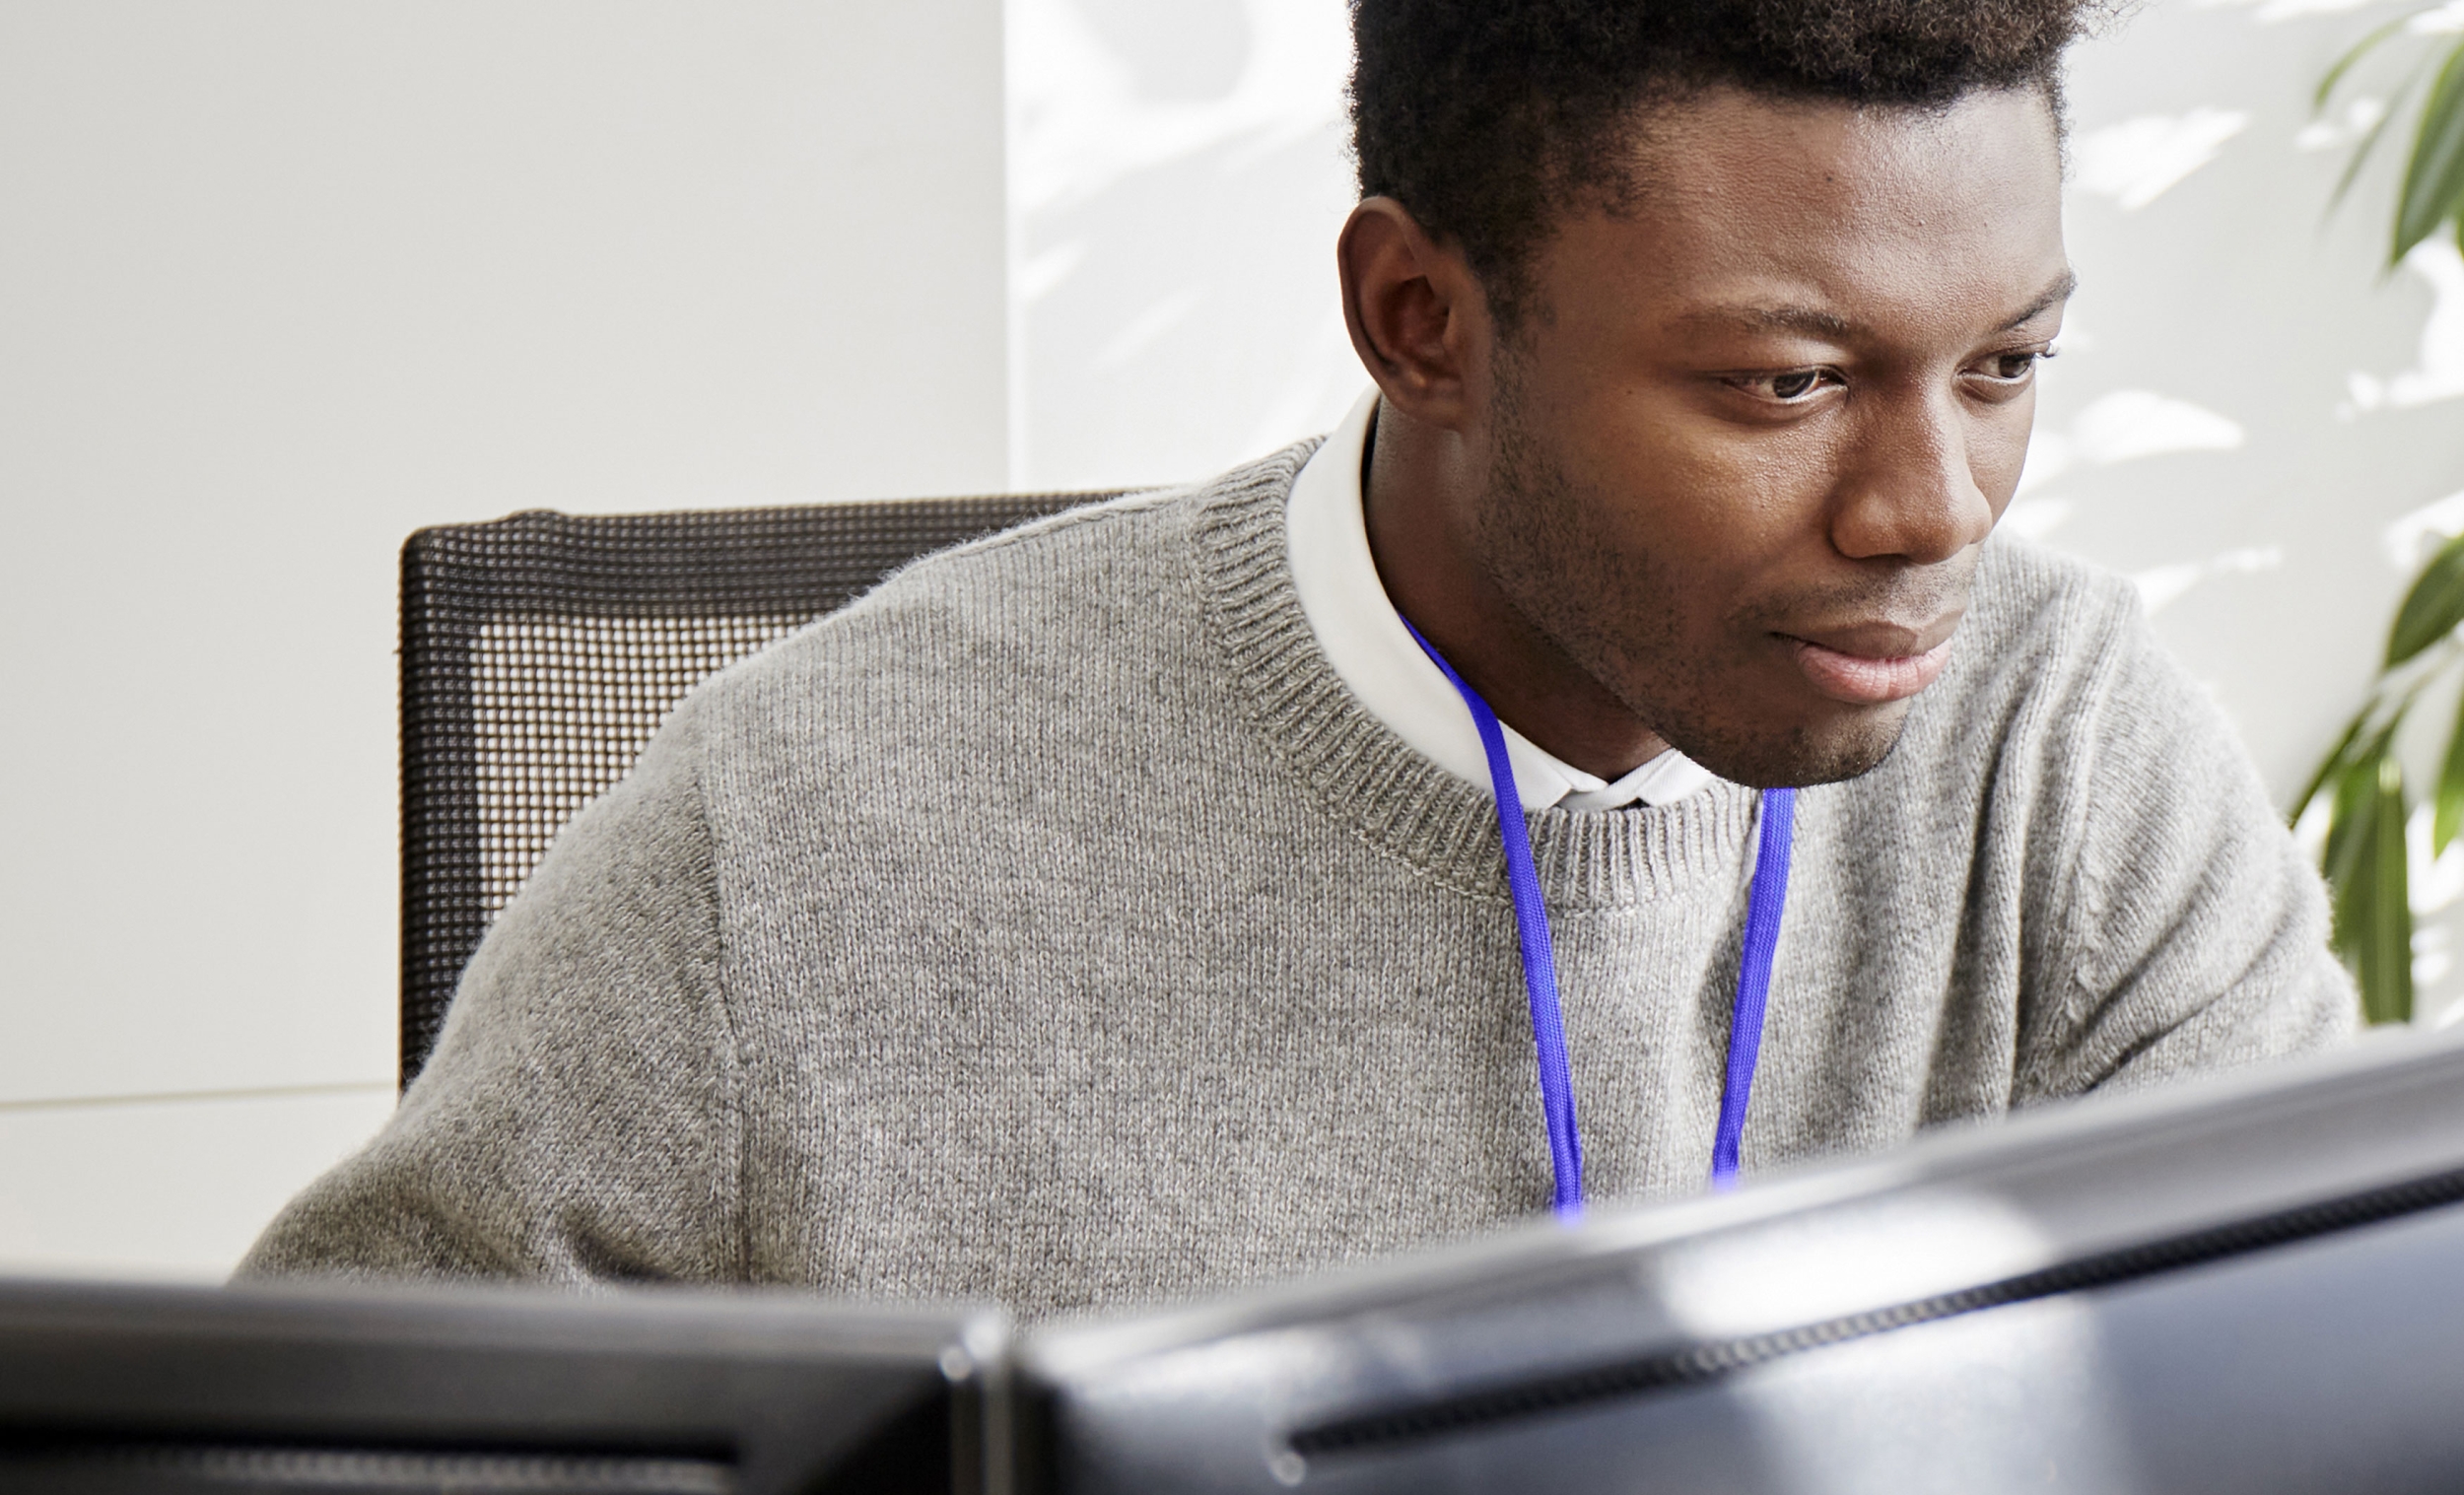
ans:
x=1052 y=926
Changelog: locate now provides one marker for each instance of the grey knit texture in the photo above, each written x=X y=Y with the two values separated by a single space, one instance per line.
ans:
x=1053 y=927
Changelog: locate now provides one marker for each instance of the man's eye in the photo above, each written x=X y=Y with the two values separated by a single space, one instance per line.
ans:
x=1794 y=385
x=2013 y=367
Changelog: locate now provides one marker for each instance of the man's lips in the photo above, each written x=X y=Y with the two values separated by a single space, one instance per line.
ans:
x=1859 y=674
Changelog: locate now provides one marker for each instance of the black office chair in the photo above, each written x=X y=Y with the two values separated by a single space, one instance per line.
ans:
x=540 y=651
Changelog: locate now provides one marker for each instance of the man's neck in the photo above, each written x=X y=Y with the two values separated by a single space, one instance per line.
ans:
x=1419 y=493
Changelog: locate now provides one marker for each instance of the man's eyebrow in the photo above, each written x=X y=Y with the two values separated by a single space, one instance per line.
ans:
x=2054 y=294
x=1779 y=318
x=1817 y=322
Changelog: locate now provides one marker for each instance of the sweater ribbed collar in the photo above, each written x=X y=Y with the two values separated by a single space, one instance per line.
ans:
x=1365 y=775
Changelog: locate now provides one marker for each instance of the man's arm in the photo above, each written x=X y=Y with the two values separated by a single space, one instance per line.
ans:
x=2190 y=932
x=579 y=1119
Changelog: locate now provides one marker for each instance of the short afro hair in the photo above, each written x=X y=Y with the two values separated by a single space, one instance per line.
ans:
x=1483 y=117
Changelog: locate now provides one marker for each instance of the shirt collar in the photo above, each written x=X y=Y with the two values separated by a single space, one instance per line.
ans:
x=1328 y=536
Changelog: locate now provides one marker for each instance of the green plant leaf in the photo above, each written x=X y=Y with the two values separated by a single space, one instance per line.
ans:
x=2366 y=866
x=2370 y=142
x=2432 y=608
x=2450 y=814
x=2347 y=859
x=2387 y=963
x=2433 y=177
x=2344 y=64
x=2329 y=766
x=2353 y=748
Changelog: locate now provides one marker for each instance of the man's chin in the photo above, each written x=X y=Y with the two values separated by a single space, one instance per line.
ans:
x=1799 y=756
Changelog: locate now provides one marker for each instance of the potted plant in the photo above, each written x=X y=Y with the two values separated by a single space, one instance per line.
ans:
x=2361 y=782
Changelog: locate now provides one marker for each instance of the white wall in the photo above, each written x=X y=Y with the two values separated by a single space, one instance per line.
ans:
x=1178 y=173
x=282 y=280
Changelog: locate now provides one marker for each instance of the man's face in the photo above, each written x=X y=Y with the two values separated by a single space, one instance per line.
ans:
x=1751 y=434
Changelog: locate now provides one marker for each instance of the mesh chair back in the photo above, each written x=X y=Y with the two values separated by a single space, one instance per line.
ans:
x=540 y=651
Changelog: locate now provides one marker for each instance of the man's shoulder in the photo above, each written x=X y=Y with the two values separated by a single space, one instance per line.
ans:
x=2044 y=637
x=1132 y=530
x=2042 y=624
x=2040 y=599
x=1106 y=580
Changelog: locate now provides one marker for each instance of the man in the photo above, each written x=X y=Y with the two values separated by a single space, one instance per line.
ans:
x=1120 y=909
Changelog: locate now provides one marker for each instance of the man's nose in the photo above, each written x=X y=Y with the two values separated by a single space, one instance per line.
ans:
x=1910 y=491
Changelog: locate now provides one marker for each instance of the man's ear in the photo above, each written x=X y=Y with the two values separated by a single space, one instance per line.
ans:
x=1417 y=315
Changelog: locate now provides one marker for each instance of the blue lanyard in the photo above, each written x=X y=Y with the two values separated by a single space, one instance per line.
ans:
x=1764 y=904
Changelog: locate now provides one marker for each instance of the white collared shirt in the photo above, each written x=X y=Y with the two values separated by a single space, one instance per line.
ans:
x=1328 y=534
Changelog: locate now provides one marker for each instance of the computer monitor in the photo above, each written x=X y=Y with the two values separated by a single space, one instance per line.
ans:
x=337 y=1390
x=2251 y=1284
